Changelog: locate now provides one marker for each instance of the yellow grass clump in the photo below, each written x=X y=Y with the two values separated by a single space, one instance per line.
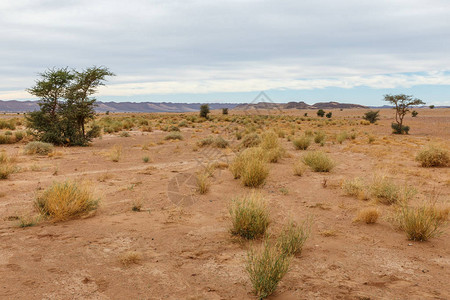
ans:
x=433 y=156
x=368 y=215
x=318 y=161
x=66 y=200
x=249 y=216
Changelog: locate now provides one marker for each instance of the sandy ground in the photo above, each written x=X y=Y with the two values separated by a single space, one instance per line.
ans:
x=186 y=248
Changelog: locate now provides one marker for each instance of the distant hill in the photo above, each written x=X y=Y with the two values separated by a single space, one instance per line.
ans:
x=298 y=105
x=26 y=106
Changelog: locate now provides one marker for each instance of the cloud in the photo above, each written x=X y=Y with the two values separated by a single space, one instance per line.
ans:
x=164 y=47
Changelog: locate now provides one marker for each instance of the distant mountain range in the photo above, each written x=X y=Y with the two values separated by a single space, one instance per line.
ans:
x=26 y=106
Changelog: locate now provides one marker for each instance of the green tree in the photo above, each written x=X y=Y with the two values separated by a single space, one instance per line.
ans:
x=431 y=106
x=320 y=112
x=402 y=103
x=414 y=113
x=372 y=116
x=329 y=115
x=204 y=111
x=66 y=105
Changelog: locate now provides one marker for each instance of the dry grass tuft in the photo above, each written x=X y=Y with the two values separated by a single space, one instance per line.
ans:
x=130 y=258
x=318 y=161
x=433 y=156
x=266 y=267
x=293 y=237
x=249 y=216
x=250 y=165
x=356 y=188
x=368 y=215
x=203 y=183
x=115 y=153
x=302 y=143
x=422 y=222
x=66 y=200
x=299 y=168
x=38 y=148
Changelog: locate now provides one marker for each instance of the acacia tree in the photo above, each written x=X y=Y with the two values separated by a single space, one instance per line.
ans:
x=402 y=103
x=66 y=105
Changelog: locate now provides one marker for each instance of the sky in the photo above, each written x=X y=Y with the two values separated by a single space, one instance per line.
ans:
x=228 y=51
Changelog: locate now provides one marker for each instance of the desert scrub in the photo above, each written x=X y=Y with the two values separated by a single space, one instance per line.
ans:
x=266 y=267
x=250 y=140
x=250 y=165
x=66 y=200
x=249 y=216
x=433 y=156
x=40 y=148
x=115 y=153
x=368 y=215
x=298 y=168
x=318 y=161
x=387 y=192
x=218 y=142
x=341 y=137
x=320 y=137
x=271 y=146
x=420 y=223
x=293 y=237
x=174 y=136
x=356 y=188
x=202 y=181
x=7 y=167
x=302 y=143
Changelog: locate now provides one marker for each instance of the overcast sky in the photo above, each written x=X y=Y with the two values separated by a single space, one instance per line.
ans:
x=229 y=51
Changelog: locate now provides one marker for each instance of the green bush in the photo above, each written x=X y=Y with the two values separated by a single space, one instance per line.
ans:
x=372 y=116
x=396 y=129
x=174 y=136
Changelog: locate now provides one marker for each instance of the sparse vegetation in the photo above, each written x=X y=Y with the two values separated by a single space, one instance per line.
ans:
x=66 y=200
x=266 y=267
x=293 y=237
x=318 y=161
x=368 y=215
x=372 y=116
x=40 y=148
x=174 y=136
x=433 y=156
x=115 y=153
x=249 y=216
x=402 y=103
x=302 y=143
x=420 y=223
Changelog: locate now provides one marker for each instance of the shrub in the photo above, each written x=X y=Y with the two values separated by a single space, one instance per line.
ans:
x=302 y=143
x=124 y=134
x=38 y=148
x=320 y=113
x=146 y=159
x=329 y=115
x=320 y=137
x=266 y=267
x=115 y=153
x=174 y=128
x=433 y=156
x=293 y=237
x=372 y=116
x=19 y=135
x=342 y=136
x=218 y=142
x=396 y=128
x=174 y=136
x=250 y=140
x=204 y=111
x=318 y=161
x=387 y=192
x=419 y=223
x=130 y=257
x=202 y=181
x=224 y=111
x=355 y=188
x=249 y=216
x=299 y=168
x=368 y=215
x=6 y=139
x=66 y=200
x=6 y=169
x=414 y=113
x=254 y=173
x=271 y=146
